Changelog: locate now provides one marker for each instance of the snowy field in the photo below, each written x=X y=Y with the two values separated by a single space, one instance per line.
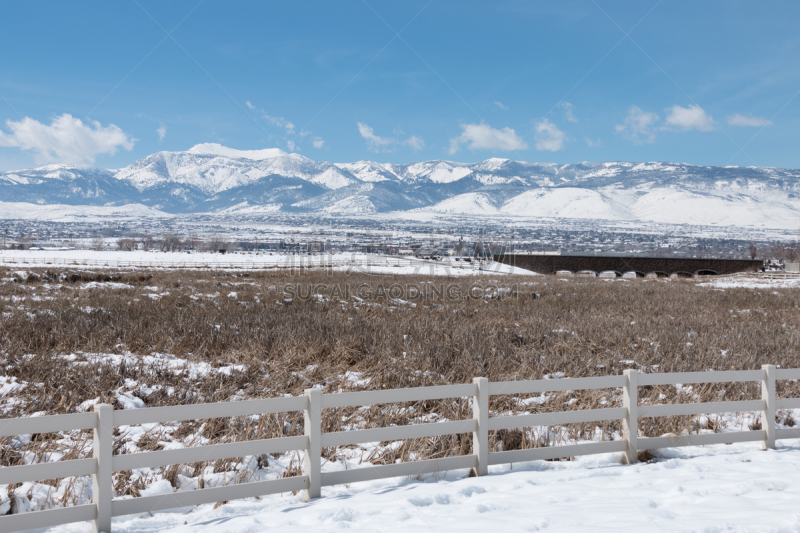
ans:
x=708 y=489
x=78 y=213
x=736 y=488
x=751 y=282
x=358 y=262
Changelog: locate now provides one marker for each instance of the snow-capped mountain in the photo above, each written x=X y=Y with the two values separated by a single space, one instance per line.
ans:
x=214 y=178
x=212 y=169
x=65 y=184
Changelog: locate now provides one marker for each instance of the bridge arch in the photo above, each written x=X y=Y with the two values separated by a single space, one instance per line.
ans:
x=681 y=274
x=657 y=274
x=586 y=273
x=706 y=272
x=630 y=274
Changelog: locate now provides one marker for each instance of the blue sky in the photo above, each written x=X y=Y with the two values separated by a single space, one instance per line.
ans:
x=711 y=83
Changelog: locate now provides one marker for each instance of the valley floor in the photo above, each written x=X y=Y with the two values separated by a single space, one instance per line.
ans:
x=342 y=262
x=71 y=337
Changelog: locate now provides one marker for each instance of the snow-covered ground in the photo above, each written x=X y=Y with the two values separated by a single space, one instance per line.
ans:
x=77 y=213
x=353 y=262
x=646 y=204
x=736 y=488
x=751 y=282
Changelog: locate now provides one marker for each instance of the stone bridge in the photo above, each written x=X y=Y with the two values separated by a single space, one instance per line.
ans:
x=642 y=266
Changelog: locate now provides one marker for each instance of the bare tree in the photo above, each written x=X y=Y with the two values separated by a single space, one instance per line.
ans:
x=779 y=252
x=97 y=242
x=792 y=254
x=753 y=251
x=126 y=244
x=170 y=242
x=147 y=240
x=217 y=242
x=460 y=246
x=194 y=241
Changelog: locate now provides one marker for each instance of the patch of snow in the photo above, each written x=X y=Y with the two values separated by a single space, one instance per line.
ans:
x=218 y=149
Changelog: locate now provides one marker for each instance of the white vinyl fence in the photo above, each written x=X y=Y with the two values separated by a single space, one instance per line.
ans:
x=781 y=275
x=104 y=419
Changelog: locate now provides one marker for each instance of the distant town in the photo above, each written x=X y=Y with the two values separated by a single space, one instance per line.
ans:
x=460 y=237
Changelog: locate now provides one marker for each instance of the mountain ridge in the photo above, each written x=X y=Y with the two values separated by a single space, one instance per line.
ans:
x=211 y=178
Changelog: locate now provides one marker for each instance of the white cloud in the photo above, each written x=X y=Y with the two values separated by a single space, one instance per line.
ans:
x=374 y=142
x=318 y=142
x=484 y=137
x=385 y=144
x=277 y=121
x=693 y=117
x=591 y=143
x=291 y=145
x=162 y=132
x=416 y=143
x=639 y=126
x=748 y=120
x=569 y=111
x=549 y=137
x=280 y=122
x=501 y=106
x=73 y=141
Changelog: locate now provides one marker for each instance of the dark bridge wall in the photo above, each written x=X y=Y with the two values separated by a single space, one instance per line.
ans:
x=549 y=264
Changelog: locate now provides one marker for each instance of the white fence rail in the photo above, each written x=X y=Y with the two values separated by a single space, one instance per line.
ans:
x=780 y=275
x=104 y=419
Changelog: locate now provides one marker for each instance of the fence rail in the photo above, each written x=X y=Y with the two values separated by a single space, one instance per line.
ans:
x=104 y=419
x=781 y=275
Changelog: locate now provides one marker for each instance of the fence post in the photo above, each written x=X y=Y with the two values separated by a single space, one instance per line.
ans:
x=768 y=417
x=480 y=437
x=312 y=424
x=630 y=400
x=102 y=483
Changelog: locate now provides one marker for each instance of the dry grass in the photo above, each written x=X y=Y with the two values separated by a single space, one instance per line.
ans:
x=580 y=327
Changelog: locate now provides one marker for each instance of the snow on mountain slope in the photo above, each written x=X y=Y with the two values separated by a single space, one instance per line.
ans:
x=669 y=205
x=214 y=178
x=65 y=184
x=436 y=171
x=246 y=209
x=382 y=196
x=232 y=153
x=52 y=172
x=564 y=202
x=766 y=209
x=353 y=205
x=369 y=171
x=470 y=203
x=332 y=178
x=214 y=168
x=71 y=213
x=209 y=173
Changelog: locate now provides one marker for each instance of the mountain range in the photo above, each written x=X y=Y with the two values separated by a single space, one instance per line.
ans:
x=210 y=178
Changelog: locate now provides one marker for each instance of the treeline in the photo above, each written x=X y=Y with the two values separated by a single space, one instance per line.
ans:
x=170 y=242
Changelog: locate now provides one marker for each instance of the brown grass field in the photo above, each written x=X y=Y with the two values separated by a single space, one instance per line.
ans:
x=51 y=324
